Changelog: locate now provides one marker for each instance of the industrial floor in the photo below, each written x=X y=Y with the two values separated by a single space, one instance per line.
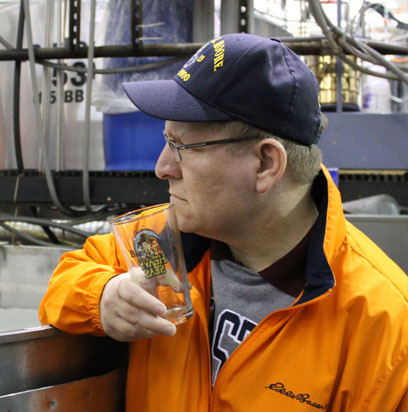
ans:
x=17 y=318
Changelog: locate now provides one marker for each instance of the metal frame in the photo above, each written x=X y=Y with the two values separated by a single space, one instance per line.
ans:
x=133 y=188
x=43 y=368
x=136 y=27
x=74 y=25
x=244 y=16
x=110 y=188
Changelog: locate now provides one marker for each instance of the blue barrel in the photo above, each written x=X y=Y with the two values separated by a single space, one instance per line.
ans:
x=132 y=141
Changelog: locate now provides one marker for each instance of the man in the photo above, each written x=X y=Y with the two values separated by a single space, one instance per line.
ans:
x=294 y=308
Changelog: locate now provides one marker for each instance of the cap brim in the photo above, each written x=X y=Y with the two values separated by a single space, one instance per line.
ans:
x=166 y=99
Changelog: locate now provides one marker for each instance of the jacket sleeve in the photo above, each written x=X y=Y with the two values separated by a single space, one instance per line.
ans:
x=71 y=302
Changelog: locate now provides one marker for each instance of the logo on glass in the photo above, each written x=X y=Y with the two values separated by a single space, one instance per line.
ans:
x=149 y=253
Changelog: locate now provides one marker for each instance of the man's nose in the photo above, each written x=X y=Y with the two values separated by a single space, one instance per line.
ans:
x=167 y=166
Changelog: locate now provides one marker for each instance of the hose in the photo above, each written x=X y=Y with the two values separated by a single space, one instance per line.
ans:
x=40 y=139
x=87 y=126
x=16 y=94
x=340 y=41
x=45 y=225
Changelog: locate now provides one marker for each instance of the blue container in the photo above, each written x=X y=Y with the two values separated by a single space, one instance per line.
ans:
x=132 y=141
x=334 y=173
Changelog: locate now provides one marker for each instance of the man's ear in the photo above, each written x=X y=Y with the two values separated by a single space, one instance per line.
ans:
x=273 y=160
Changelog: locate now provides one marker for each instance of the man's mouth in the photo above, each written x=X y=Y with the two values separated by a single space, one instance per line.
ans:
x=174 y=196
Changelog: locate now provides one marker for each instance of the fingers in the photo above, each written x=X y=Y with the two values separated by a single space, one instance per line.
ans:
x=136 y=296
x=128 y=312
x=125 y=331
x=169 y=278
x=173 y=281
x=144 y=324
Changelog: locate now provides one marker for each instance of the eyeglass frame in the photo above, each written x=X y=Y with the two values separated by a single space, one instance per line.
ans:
x=179 y=147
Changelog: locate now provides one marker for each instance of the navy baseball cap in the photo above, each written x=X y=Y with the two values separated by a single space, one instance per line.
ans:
x=238 y=76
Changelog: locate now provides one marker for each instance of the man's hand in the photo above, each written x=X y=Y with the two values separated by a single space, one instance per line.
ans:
x=129 y=312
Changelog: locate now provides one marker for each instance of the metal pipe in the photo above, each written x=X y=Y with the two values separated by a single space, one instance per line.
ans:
x=301 y=47
x=339 y=68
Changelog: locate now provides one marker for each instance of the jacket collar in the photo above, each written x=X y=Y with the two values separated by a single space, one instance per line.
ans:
x=326 y=238
x=319 y=276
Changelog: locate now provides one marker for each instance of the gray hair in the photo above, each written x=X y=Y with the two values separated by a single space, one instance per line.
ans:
x=303 y=161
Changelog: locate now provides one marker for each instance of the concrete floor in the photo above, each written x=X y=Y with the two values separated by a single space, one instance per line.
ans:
x=17 y=318
x=24 y=275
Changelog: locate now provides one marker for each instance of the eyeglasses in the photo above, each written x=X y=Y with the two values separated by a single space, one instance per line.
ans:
x=175 y=147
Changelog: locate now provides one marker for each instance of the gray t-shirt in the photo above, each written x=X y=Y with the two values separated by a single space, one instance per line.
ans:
x=241 y=299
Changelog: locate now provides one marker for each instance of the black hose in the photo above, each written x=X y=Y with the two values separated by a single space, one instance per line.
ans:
x=46 y=229
x=24 y=236
x=44 y=222
x=16 y=94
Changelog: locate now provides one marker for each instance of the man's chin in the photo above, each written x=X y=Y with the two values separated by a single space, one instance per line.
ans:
x=186 y=220
x=184 y=223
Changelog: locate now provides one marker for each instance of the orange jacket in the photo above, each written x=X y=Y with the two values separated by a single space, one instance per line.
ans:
x=341 y=347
